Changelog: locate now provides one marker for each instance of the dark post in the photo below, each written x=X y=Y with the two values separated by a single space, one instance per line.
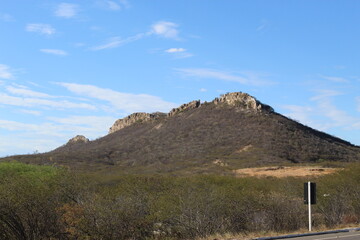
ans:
x=312 y=193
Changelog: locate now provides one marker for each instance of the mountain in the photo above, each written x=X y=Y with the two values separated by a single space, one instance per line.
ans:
x=230 y=132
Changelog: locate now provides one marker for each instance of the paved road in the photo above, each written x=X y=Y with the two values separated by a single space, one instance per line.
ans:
x=332 y=236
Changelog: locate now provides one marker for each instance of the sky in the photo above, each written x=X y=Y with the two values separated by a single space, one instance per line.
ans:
x=72 y=68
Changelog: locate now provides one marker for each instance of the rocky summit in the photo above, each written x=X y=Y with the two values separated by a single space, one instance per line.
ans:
x=233 y=131
x=78 y=139
x=237 y=99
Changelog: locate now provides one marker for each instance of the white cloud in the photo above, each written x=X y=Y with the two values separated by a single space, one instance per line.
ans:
x=165 y=29
x=203 y=90
x=5 y=72
x=248 y=78
x=126 y=102
x=27 y=144
x=117 y=42
x=175 y=50
x=179 y=52
x=45 y=29
x=48 y=135
x=66 y=10
x=54 y=52
x=335 y=79
x=38 y=102
x=26 y=92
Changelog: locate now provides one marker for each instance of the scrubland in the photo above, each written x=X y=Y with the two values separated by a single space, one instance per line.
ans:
x=46 y=202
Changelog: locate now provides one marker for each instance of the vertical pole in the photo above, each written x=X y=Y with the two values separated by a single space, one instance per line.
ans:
x=309 y=202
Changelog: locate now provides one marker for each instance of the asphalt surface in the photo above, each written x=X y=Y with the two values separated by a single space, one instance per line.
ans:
x=329 y=236
x=344 y=234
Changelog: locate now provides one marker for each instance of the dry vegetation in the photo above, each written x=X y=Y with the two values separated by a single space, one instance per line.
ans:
x=282 y=172
x=38 y=202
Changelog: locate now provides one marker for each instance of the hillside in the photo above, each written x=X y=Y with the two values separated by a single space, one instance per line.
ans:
x=231 y=132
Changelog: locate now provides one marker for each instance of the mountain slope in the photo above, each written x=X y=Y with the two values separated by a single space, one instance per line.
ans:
x=231 y=132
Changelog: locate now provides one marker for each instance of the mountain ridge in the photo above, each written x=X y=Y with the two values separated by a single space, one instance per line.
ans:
x=231 y=132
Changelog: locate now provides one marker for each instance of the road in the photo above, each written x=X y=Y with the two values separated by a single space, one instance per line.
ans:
x=331 y=236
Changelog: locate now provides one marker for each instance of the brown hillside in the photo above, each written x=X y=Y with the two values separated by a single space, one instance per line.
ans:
x=232 y=132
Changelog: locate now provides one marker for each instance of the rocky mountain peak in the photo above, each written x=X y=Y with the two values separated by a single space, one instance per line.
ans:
x=78 y=139
x=135 y=118
x=184 y=107
x=244 y=100
x=236 y=99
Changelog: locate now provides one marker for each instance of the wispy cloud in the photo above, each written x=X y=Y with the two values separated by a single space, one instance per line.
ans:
x=203 y=90
x=264 y=24
x=179 y=52
x=66 y=10
x=175 y=50
x=303 y=114
x=118 y=41
x=22 y=91
x=6 y=99
x=124 y=3
x=126 y=102
x=54 y=51
x=247 y=78
x=94 y=122
x=338 y=117
x=165 y=29
x=335 y=79
x=113 y=5
x=31 y=112
x=324 y=94
x=5 y=72
x=51 y=133
x=323 y=114
x=6 y=17
x=357 y=99
x=41 y=28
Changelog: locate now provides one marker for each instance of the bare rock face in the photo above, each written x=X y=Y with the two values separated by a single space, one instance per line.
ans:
x=78 y=139
x=135 y=118
x=184 y=107
x=244 y=100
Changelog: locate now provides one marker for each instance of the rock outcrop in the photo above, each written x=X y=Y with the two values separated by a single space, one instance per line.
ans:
x=185 y=107
x=236 y=99
x=244 y=100
x=78 y=139
x=135 y=118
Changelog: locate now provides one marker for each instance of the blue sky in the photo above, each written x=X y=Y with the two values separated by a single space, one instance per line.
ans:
x=74 y=67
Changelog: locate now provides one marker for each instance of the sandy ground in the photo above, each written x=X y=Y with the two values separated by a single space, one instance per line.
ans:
x=285 y=171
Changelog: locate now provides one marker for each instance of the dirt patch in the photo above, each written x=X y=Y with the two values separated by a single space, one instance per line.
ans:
x=284 y=171
x=244 y=149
